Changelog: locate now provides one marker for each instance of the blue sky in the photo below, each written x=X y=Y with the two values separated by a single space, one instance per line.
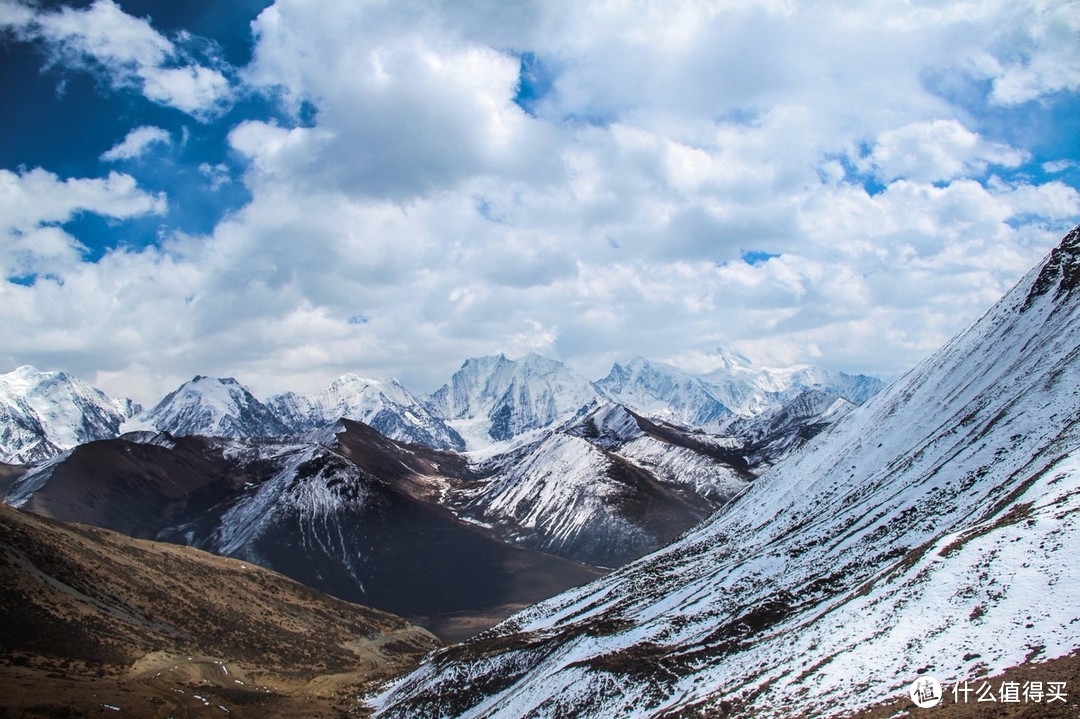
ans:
x=285 y=192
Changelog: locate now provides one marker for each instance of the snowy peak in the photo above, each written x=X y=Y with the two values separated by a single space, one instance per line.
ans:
x=45 y=413
x=569 y=497
x=495 y=398
x=210 y=406
x=736 y=388
x=749 y=390
x=607 y=426
x=382 y=403
x=664 y=393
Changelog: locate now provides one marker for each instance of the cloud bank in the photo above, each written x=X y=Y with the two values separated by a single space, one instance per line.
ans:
x=582 y=180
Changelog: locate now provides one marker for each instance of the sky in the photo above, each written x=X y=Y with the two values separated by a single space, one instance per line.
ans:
x=287 y=191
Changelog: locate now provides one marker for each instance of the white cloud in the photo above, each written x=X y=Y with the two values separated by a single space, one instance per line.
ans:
x=1057 y=166
x=937 y=150
x=417 y=194
x=33 y=204
x=1047 y=59
x=136 y=142
x=128 y=49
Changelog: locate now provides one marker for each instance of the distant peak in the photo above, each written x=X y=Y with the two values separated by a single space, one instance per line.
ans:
x=731 y=358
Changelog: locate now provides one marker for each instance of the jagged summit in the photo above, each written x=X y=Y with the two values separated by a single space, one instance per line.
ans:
x=665 y=393
x=735 y=390
x=494 y=398
x=1061 y=270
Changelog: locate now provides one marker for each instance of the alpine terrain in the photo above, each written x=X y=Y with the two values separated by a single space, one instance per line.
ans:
x=368 y=493
x=355 y=516
x=932 y=530
x=210 y=406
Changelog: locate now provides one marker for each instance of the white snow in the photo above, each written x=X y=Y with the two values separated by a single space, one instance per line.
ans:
x=508 y=397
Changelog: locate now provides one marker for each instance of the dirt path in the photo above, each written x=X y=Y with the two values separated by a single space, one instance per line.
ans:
x=187 y=684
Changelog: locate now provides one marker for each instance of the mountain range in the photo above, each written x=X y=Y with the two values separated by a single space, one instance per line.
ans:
x=489 y=400
x=389 y=511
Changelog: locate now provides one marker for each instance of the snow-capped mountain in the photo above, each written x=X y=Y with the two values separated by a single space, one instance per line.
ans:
x=932 y=530
x=604 y=489
x=382 y=403
x=44 y=413
x=494 y=398
x=571 y=498
x=665 y=393
x=210 y=406
x=736 y=389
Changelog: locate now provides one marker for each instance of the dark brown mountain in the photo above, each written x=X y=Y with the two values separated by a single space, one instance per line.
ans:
x=355 y=517
x=97 y=623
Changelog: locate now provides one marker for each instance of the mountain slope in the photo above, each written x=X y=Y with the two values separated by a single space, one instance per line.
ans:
x=571 y=498
x=350 y=520
x=211 y=407
x=382 y=404
x=770 y=436
x=94 y=619
x=933 y=529
x=44 y=413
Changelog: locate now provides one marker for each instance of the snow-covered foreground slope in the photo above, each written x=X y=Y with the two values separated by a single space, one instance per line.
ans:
x=44 y=413
x=934 y=529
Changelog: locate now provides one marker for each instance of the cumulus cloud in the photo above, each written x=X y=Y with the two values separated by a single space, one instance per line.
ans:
x=608 y=216
x=33 y=205
x=1046 y=59
x=136 y=142
x=937 y=150
x=126 y=49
